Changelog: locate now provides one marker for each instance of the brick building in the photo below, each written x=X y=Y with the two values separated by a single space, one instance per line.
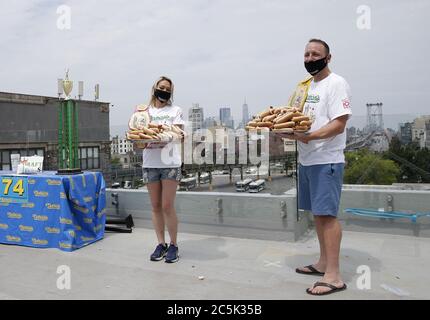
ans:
x=29 y=126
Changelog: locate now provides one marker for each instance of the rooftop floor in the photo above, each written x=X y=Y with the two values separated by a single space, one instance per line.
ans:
x=118 y=267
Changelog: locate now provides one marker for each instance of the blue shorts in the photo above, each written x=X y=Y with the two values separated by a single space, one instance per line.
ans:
x=158 y=174
x=320 y=187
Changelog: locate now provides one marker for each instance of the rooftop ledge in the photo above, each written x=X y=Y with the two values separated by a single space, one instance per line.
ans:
x=275 y=217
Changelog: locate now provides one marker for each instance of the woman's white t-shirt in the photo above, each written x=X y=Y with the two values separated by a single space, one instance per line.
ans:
x=162 y=155
x=327 y=100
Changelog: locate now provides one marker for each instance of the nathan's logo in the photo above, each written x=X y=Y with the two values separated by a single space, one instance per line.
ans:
x=14 y=215
x=42 y=194
x=101 y=213
x=65 y=221
x=39 y=218
x=63 y=195
x=72 y=233
x=88 y=199
x=28 y=205
x=26 y=228
x=98 y=228
x=78 y=228
x=65 y=245
x=13 y=239
x=93 y=208
x=39 y=241
x=80 y=209
x=87 y=238
x=4 y=204
x=313 y=98
x=88 y=220
x=4 y=226
x=31 y=181
x=53 y=182
x=6 y=200
x=52 y=206
x=52 y=230
x=160 y=118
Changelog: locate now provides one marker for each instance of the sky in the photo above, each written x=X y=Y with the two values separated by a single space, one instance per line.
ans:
x=218 y=52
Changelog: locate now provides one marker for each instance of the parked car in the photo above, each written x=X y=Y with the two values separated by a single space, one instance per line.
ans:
x=257 y=186
x=187 y=183
x=204 y=178
x=243 y=186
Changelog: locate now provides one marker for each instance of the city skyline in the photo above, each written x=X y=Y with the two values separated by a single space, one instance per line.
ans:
x=243 y=49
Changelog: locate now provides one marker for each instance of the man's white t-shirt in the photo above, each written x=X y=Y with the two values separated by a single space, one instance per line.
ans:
x=162 y=155
x=327 y=100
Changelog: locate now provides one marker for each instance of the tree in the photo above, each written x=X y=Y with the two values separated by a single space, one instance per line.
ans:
x=414 y=163
x=364 y=167
x=115 y=162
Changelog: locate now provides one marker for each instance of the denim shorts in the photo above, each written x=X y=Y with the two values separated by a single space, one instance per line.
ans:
x=158 y=174
x=320 y=187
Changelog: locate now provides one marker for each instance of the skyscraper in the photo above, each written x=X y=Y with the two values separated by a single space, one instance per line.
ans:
x=225 y=117
x=405 y=133
x=210 y=122
x=245 y=114
x=195 y=116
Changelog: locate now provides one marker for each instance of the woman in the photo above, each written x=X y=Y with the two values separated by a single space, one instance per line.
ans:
x=162 y=168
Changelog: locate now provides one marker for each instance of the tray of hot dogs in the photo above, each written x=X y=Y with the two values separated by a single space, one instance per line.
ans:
x=155 y=133
x=280 y=119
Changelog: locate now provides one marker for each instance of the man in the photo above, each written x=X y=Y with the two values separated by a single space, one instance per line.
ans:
x=321 y=163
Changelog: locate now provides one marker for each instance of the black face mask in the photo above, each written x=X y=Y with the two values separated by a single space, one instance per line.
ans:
x=161 y=95
x=315 y=67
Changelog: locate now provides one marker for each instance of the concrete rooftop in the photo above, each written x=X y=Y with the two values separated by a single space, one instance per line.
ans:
x=118 y=267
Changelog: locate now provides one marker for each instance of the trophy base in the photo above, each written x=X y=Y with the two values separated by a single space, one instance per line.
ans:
x=66 y=172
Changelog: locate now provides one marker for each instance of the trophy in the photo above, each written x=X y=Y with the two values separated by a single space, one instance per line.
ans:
x=68 y=139
x=67 y=86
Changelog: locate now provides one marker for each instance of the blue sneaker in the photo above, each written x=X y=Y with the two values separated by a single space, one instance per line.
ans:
x=159 y=253
x=172 y=254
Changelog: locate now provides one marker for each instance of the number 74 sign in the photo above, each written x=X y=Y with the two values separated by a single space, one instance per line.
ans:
x=13 y=189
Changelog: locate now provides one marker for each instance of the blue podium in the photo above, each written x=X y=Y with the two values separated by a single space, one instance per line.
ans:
x=51 y=211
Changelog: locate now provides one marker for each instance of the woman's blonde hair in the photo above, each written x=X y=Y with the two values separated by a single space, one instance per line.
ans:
x=163 y=78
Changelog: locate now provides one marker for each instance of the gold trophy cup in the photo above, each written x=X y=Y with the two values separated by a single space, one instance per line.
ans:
x=67 y=86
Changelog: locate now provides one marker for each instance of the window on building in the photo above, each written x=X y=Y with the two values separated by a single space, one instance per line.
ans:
x=89 y=158
x=5 y=161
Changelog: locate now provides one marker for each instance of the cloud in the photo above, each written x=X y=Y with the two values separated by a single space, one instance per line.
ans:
x=218 y=52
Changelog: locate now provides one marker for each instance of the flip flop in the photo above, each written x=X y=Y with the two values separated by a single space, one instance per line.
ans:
x=328 y=285
x=313 y=271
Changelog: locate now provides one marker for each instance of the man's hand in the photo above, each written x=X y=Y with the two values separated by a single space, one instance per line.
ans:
x=302 y=137
x=284 y=135
x=333 y=128
x=299 y=136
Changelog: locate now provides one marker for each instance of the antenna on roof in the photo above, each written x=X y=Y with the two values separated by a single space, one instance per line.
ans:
x=97 y=92
x=81 y=90
x=60 y=88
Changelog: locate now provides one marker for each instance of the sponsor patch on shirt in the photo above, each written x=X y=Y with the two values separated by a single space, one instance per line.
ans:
x=313 y=98
x=346 y=104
